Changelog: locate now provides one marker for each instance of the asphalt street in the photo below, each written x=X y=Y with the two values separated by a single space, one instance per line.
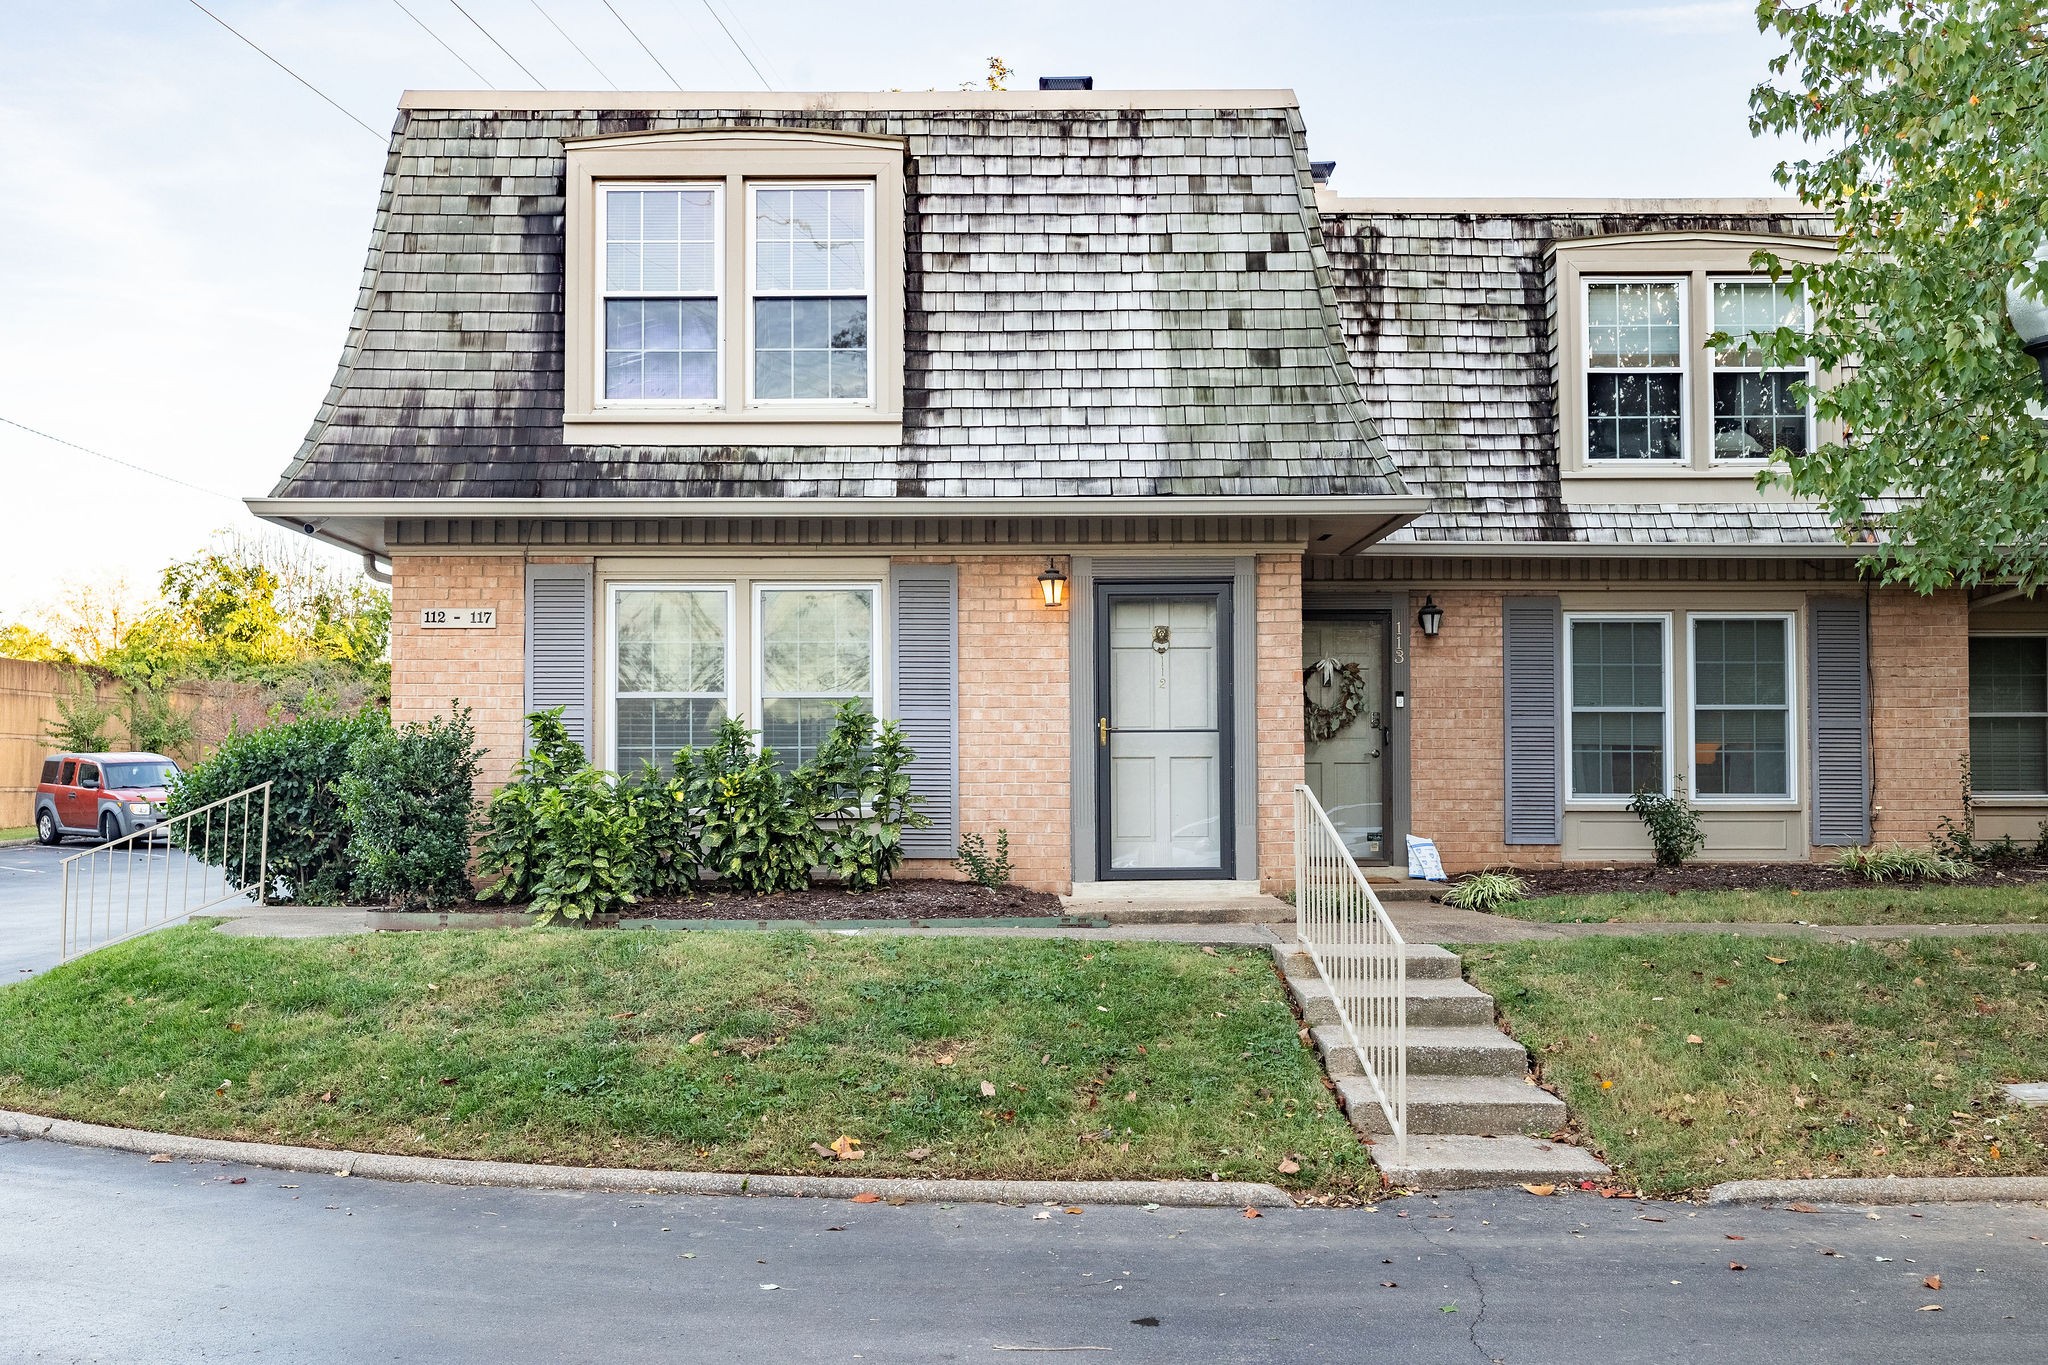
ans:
x=110 y=1257
x=31 y=906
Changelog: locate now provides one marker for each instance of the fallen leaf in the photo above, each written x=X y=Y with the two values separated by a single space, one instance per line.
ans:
x=1073 y=1208
x=235 y=1027
x=1607 y=1085
x=1646 y=1218
x=822 y=1150
x=447 y=1080
x=1737 y=1265
x=243 y=1180
x=1288 y=1165
x=988 y=1090
x=1994 y=1153
x=1734 y=1237
x=1207 y=949
x=1694 y=1038
x=161 y=1157
x=1928 y=1308
x=918 y=1153
x=1932 y=1281
x=771 y=1286
x=867 y=1197
x=847 y=1148
x=1802 y=1208
x=1251 y=1212
x=1388 y=1284
x=625 y=1014
x=697 y=1038
x=1829 y=1251
x=327 y=1097
x=1541 y=1191
x=943 y=1059
x=1130 y=1096
x=1781 y=961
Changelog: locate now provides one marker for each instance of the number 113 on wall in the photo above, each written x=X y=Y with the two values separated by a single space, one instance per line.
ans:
x=459 y=618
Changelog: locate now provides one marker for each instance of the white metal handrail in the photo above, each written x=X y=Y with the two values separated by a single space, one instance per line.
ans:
x=1359 y=954
x=127 y=886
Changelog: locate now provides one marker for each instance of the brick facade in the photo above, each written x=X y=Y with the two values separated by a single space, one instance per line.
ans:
x=1457 y=782
x=1280 y=746
x=484 y=669
x=1919 y=711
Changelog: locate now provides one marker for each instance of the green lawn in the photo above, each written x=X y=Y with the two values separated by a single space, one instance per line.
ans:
x=1873 y=1059
x=703 y=1051
x=2019 y=903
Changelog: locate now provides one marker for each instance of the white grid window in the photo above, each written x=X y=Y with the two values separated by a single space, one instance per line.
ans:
x=1756 y=411
x=662 y=269
x=1742 y=706
x=1635 y=370
x=671 y=671
x=1617 y=669
x=816 y=649
x=811 y=287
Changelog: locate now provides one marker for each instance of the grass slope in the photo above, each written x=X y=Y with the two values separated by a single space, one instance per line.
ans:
x=1872 y=1059
x=2019 y=903
x=703 y=1051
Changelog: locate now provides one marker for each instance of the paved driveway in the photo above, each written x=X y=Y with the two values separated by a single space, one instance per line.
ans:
x=31 y=904
x=108 y=1256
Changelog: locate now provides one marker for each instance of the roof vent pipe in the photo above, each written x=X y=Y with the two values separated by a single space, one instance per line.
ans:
x=1321 y=171
x=1066 y=82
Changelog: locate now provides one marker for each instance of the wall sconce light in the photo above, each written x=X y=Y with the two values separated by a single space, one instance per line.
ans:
x=1053 y=584
x=1430 y=618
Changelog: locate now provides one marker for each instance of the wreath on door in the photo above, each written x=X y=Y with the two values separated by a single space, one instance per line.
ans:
x=1340 y=699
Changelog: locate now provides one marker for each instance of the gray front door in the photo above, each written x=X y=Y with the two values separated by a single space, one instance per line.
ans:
x=1163 y=740
x=1344 y=681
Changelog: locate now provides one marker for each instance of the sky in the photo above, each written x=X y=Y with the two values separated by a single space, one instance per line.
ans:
x=183 y=225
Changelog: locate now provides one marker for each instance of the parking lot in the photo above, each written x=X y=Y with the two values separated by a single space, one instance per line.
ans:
x=31 y=900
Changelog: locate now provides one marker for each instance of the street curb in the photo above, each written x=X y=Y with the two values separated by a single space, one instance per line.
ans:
x=1962 y=1189
x=517 y=1175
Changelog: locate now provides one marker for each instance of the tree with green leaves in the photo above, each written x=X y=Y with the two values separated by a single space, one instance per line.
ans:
x=1929 y=123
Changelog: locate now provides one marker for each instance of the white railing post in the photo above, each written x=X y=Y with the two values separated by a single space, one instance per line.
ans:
x=1358 y=952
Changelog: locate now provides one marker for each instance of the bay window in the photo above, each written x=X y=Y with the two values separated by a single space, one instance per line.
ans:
x=2009 y=714
x=1619 y=708
x=1742 y=706
x=1756 y=411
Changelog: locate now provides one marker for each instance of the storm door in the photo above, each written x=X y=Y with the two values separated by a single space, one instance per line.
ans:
x=1349 y=724
x=1162 y=730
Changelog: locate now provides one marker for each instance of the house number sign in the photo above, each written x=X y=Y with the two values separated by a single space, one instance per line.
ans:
x=459 y=618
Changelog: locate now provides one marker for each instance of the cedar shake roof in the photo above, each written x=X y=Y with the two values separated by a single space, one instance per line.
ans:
x=1111 y=300
x=1447 y=316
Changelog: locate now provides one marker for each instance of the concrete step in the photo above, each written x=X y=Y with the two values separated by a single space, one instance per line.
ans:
x=1189 y=912
x=1464 y=1050
x=1475 y=1163
x=1397 y=893
x=1431 y=1000
x=1425 y=961
x=1458 y=1104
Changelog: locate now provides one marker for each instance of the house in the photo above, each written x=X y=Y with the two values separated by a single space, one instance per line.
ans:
x=1137 y=474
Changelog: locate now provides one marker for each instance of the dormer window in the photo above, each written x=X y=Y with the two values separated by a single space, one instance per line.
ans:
x=1756 y=411
x=1635 y=370
x=734 y=286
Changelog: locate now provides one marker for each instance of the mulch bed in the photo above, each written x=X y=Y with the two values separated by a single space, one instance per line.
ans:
x=1594 y=878
x=911 y=898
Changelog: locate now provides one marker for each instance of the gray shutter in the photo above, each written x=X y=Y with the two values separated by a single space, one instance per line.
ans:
x=925 y=623
x=1841 y=721
x=559 y=654
x=1532 y=652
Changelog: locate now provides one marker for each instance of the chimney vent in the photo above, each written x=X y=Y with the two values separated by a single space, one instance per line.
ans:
x=1066 y=82
x=1321 y=171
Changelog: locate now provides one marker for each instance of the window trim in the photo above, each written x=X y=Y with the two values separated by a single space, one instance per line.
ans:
x=611 y=668
x=1715 y=367
x=1742 y=800
x=603 y=294
x=1683 y=370
x=1603 y=800
x=759 y=641
x=1978 y=797
x=753 y=186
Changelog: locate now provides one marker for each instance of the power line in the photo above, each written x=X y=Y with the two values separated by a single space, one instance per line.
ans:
x=289 y=72
x=573 y=43
x=444 y=45
x=498 y=45
x=736 y=45
x=139 y=469
x=748 y=34
x=673 y=82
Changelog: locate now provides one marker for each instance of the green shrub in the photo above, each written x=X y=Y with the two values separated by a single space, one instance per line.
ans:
x=1955 y=838
x=303 y=760
x=408 y=798
x=560 y=836
x=983 y=868
x=860 y=785
x=1486 y=891
x=667 y=867
x=757 y=826
x=155 y=722
x=1896 y=864
x=84 y=722
x=1674 y=826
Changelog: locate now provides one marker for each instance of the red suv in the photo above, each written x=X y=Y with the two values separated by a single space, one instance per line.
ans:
x=104 y=794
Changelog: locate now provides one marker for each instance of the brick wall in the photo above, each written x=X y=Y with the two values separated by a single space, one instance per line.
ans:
x=484 y=669
x=1015 y=761
x=1457 y=782
x=1919 y=710
x=1280 y=741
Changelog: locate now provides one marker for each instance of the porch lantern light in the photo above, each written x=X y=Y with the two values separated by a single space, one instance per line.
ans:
x=2029 y=314
x=1053 y=584
x=1430 y=618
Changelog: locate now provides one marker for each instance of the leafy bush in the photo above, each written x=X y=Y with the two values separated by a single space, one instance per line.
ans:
x=757 y=826
x=303 y=760
x=1674 y=826
x=560 y=835
x=1957 y=838
x=668 y=824
x=1896 y=864
x=860 y=784
x=408 y=798
x=156 y=723
x=982 y=867
x=83 y=720
x=1486 y=891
